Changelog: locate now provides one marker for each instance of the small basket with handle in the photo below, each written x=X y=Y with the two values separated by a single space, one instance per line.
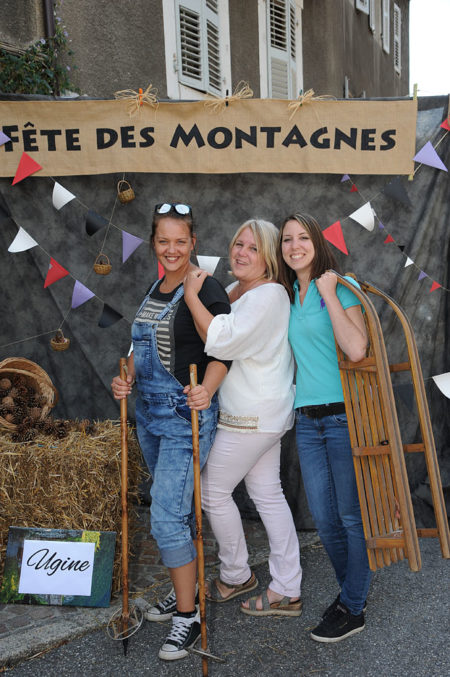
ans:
x=125 y=193
x=102 y=265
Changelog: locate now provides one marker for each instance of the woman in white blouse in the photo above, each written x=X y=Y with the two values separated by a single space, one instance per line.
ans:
x=255 y=402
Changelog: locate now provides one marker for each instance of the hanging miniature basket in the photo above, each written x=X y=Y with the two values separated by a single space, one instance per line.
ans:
x=125 y=194
x=59 y=341
x=102 y=265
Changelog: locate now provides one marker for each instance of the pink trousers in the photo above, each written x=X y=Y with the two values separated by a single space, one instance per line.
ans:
x=254 y=457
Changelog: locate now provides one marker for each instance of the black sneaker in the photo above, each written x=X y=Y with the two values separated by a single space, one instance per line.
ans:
x=164 y=610
x=334 y=604
x=184 y=633
x=338 y=625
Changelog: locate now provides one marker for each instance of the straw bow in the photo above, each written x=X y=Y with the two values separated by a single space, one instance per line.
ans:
x=307 y=97
x=137 y=99
x=216 y=104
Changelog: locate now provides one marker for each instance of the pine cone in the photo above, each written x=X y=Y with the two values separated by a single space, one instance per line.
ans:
x=8 y=402
x=5 y=384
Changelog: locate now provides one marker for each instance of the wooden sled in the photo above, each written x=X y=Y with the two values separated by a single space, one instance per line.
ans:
x=378 y=451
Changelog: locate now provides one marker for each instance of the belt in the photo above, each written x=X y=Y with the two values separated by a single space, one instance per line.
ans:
x=322 y=410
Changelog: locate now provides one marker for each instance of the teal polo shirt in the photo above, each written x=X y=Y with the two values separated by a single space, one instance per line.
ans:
x=312 y=340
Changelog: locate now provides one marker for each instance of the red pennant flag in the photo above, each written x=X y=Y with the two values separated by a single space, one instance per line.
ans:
x=353 y=189
x=55 y=273
x=389 y=239
x=26 y=167
x=335 y=235
x=160 y=271
x=434 y=286
x=446 y=125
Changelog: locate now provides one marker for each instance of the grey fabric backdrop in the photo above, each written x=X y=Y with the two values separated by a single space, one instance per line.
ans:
x=222 y=202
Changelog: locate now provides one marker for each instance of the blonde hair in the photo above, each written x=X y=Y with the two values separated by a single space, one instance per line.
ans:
x=266 y=236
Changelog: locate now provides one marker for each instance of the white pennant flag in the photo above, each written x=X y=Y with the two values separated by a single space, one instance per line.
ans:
x=208 y=263
x=443 y=383
x=61 y=196
x=22 y=242
x=364 y=216
x=408 y=262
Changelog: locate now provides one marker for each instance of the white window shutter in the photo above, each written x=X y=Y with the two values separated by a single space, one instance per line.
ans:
x=386 y=25
x=282 y=49
x=372 y=16
x=397 y=39
x=198 y=44
x=363 y=6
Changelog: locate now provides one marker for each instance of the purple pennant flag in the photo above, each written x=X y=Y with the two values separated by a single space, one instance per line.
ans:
x=129 y=244
x=380 y=225
x=428 y=156
x=422 y=275
x=345 y=178
x=80 y=294
x=3 y=138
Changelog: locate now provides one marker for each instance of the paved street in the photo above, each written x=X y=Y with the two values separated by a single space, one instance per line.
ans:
x=407 y=630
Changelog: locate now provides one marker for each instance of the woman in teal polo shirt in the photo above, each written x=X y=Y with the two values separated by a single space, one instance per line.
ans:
x=322 y=310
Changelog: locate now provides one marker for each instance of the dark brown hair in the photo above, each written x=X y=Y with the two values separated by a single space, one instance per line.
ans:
x=186 y=218
x=323 y=256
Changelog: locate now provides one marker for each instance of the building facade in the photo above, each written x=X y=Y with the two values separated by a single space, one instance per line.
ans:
x=188 y=49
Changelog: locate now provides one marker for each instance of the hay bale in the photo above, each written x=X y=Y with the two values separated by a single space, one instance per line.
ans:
x=69 y=483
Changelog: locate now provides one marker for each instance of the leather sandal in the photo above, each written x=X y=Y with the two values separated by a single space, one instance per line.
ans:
x=214 y=594
x=284 y=607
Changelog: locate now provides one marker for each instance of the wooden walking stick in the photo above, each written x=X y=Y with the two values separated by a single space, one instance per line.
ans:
x=124 y=622
x=198 y=523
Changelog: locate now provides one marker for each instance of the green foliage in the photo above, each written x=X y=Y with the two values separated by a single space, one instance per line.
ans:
x=38 y=70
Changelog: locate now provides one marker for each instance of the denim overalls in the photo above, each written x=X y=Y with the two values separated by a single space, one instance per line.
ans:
x=164 y=430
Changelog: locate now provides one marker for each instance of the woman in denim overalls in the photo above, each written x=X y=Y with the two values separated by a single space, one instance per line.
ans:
x=165 y=342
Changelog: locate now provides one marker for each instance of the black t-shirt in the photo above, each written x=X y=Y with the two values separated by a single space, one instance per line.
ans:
x=179 y=344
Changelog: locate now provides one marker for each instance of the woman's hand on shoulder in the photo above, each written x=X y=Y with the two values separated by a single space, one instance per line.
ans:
x=193 y=281
x=326 y=284
x=198 y=397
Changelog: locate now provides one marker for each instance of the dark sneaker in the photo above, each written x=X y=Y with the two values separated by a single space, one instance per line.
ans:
x=334 y=604
x=164 y=610
x=338 y=625
x=184 y=633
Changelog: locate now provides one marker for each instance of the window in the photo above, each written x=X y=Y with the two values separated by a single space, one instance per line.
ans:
x=282 y=32
x=198 y=49
x=386 y=25
x=397 y=39
x=363 y=6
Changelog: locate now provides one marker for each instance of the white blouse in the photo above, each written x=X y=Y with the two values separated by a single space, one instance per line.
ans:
x=257 y=395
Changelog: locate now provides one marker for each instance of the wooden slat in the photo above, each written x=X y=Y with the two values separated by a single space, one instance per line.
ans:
x=427 y=533
x=386 y=542
x=414 y=448
x=400 y=366
x=379 y=450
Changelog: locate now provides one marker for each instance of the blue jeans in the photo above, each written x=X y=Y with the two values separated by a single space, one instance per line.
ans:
x=329 y=478
x=163 y=422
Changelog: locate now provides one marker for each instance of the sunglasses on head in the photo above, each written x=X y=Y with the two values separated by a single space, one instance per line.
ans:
x=179 y=208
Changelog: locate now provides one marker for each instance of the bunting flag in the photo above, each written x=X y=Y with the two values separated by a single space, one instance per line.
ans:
x=160 y=271
x=129 y=244
x=364 y=216
x=443 y=383
x=353 y=189
x=61 y=196
x=55 y=272
x=4 y=209
x=94 y=222
x=435 y=286
x=446 y=124
x=408 y=262
x=335 y=235
x=380 y=225
x=26 y=167
x=428 y=156
x=397 y=191
x=401 y=247
x=345 y=178
x=108 y=317
x=80 y=294
x=389 y=239
x=3 y=138
x=22 y=242
x=421 y=276
x=208 y=263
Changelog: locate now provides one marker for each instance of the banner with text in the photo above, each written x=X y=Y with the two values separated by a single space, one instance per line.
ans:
x=258 y=135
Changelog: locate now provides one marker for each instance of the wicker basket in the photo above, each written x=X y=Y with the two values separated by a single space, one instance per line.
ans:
x=36 y=378
x=102 y=265
x=125 y=194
